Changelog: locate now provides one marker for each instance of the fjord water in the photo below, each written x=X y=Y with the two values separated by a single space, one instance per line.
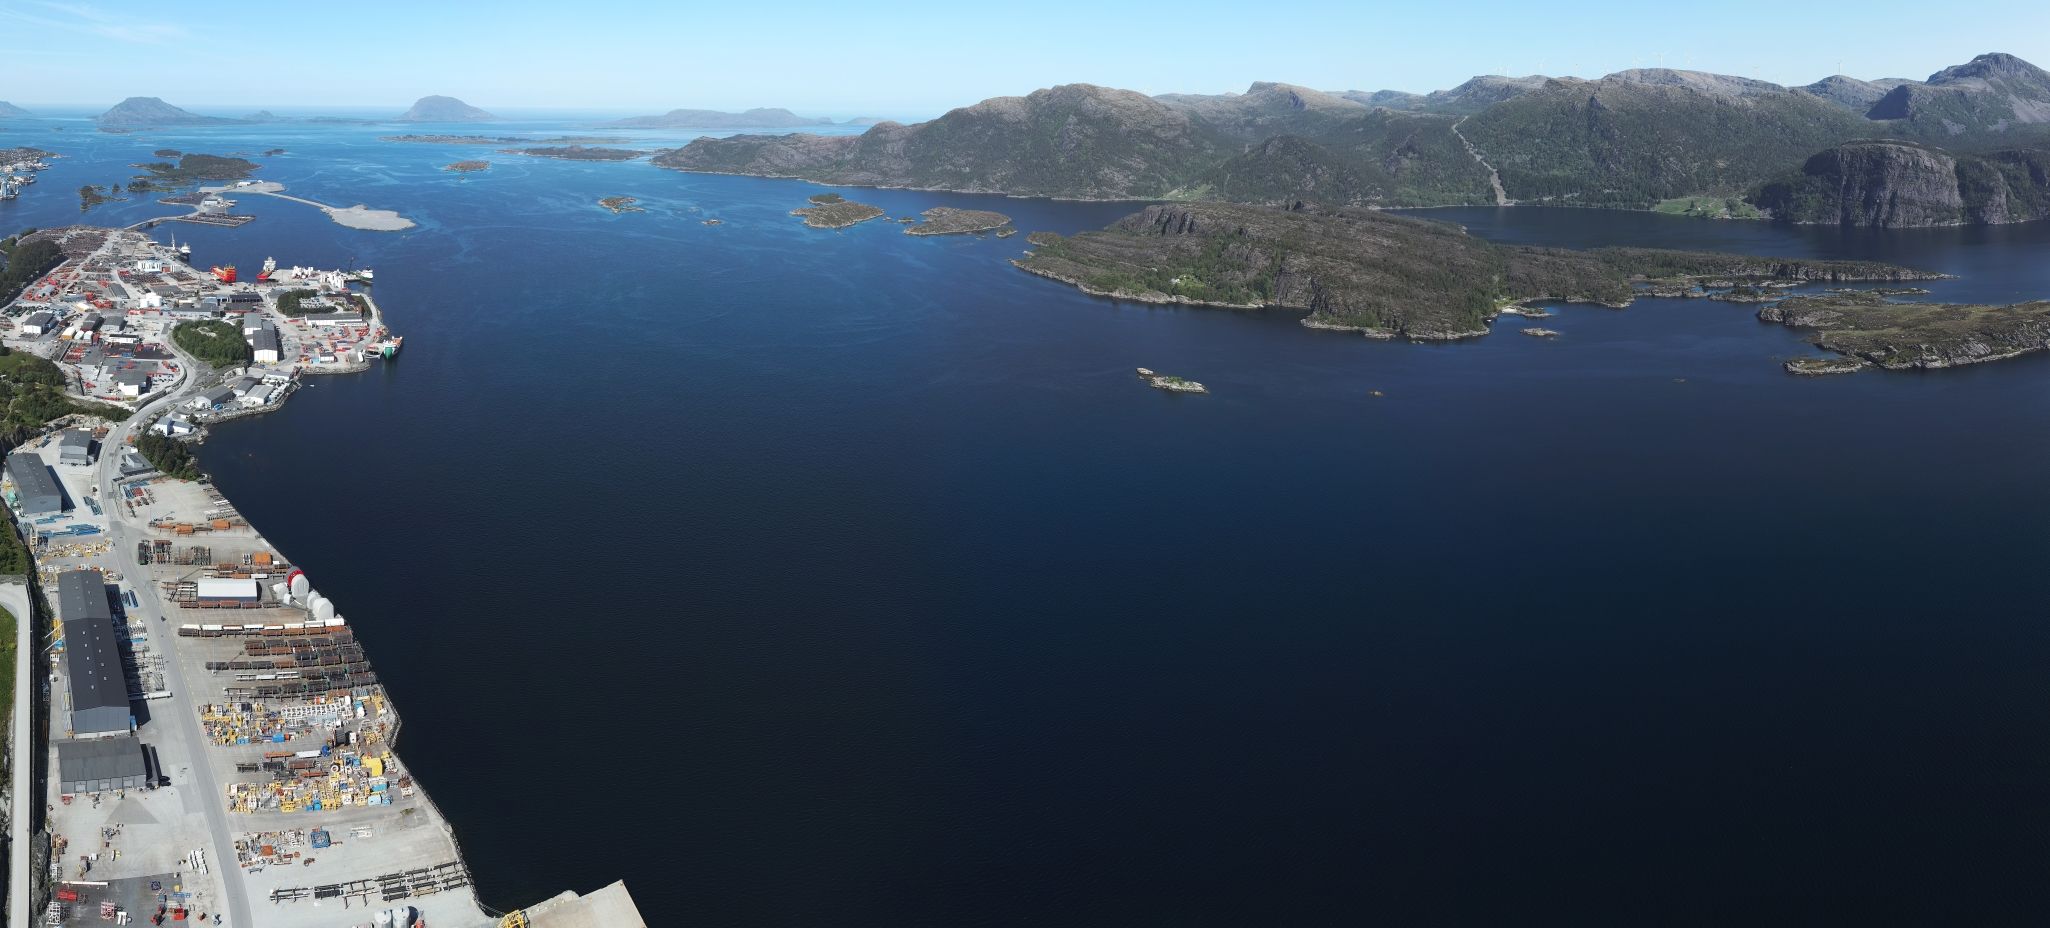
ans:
x=804 y=577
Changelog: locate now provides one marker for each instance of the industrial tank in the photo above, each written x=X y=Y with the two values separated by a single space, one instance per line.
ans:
x=299 y=585
x=323 y=609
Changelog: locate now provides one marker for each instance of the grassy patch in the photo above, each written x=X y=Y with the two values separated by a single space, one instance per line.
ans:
x=1709 y=208
x=216 y=342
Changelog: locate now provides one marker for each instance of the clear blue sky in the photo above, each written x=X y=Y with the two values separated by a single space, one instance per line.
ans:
x=915 y=59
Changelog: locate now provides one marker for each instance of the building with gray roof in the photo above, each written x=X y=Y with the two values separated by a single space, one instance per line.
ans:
x=92 y=657
x=101 y=765
x=34 y=486
x=75 y=446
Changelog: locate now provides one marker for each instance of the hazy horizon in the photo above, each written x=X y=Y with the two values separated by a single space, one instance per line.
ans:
x=910 y=60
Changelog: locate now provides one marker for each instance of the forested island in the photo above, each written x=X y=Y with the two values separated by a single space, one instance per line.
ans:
x=946 y=220
x=1380 y=275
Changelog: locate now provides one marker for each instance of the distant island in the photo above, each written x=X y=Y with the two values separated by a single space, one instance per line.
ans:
x=1969 y=145
x=760 y=118
x=466 y=167
x=10 y=111
x=576 y=153
x=444 y=109
x=501 y=139
x=150 y=112
x=262 y=116
x=1383 y=276
x=946 y=220
x=832 y=211
x=621 y=205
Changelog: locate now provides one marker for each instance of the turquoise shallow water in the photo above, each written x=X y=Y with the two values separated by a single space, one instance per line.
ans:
x=806 y=577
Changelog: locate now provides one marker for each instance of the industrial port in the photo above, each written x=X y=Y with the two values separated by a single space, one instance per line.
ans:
x=220 y=749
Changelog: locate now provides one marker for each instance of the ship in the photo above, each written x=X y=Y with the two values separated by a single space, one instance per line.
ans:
x=226 y=275
x=184 y=251
x=269 y=265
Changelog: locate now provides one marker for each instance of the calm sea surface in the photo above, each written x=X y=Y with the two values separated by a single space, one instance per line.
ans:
x=849 y=578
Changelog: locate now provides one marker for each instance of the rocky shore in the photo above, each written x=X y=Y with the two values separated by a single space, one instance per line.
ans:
x=1870 y=329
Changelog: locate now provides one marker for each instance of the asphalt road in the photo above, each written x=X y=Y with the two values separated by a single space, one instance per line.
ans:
x=174 y=722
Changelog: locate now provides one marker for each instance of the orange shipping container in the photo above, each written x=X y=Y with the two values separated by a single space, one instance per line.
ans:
x=220 y=524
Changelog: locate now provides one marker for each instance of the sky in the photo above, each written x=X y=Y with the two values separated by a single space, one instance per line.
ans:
x=911 y=59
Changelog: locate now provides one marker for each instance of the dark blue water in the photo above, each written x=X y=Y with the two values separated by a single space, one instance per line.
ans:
x=848 y=578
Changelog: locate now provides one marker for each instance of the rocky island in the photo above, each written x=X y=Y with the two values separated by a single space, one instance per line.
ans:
x=576 y=153
x=150 y=112
x=444 y=109
x=621 y=205
x=467 y=167
x=832 y=211
x=1170 y=382
x=1371 y=273
x=1869 y=329
x=946 y=220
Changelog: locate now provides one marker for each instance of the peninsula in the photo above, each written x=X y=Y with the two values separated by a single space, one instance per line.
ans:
x=265 y=775
x=832 y=211
x=1870 y=329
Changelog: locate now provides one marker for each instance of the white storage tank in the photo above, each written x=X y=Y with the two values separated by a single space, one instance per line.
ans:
x=383 y=919
x=324 y=610
x=300 y=585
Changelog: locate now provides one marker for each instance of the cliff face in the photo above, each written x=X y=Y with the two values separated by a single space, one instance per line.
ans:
x=1896 y=185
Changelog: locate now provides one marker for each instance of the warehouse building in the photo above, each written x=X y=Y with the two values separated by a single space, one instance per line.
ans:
x=322 y=320
x=264 y=346
x=75 y=446
x=33 y=485
x=39 y=323
x=92 y=657
x=101 y=764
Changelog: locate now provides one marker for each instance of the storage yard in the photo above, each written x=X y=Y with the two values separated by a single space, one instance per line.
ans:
x=105 y=317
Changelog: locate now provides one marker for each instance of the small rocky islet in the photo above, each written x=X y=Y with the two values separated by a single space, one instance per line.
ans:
x=1169 y=382
x=833 y=211
x=467 y=167
x=621 y=205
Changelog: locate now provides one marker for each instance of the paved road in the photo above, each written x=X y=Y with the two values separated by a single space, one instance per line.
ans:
x=173 y=721
x=14 y=597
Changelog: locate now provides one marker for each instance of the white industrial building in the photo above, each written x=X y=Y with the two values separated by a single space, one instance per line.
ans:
x=230 y=590
x=39 y=323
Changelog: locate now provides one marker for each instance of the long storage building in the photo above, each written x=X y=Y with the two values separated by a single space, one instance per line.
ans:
x=92 y=657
